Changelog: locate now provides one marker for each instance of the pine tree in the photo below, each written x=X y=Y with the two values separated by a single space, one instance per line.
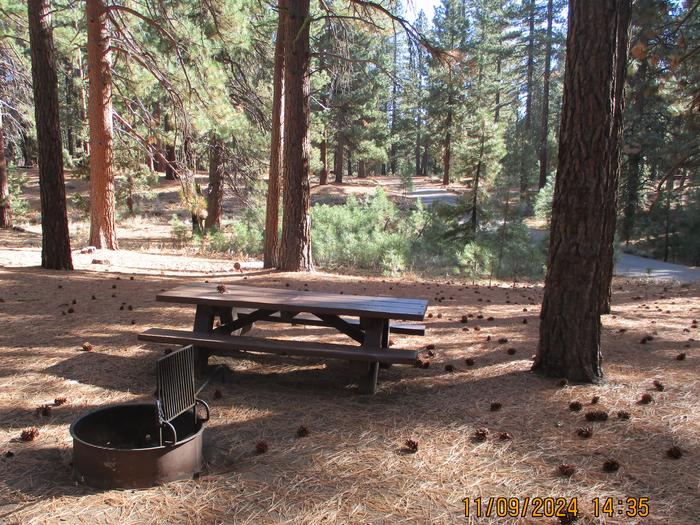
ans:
x=580 y=255
x=55 y=246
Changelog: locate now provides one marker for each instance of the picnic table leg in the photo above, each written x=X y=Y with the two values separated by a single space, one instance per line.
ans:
x=374 y=337
x=203 y=322
x=385 y=344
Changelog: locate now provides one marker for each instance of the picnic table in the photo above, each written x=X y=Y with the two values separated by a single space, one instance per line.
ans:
x=364 y=319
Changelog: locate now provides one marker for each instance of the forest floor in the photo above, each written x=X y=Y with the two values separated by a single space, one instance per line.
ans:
x=351 y=467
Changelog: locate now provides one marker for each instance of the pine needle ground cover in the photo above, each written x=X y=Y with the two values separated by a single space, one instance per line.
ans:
x=290 y=441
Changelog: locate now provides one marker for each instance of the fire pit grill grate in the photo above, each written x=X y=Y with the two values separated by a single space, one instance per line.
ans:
x=176 y=388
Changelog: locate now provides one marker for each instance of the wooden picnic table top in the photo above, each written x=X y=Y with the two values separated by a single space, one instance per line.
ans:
x=296 y=301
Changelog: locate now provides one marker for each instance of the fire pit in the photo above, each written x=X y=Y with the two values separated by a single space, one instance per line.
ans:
x=144 y=444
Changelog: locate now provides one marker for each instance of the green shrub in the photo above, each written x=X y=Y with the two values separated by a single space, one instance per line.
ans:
x=476 y=260
x=364 y=234
x=543 y=201
x=133 y=184
x=81 y=204
x=180 y=230
x=18 y=203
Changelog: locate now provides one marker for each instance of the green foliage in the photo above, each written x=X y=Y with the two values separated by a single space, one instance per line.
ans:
x=18 y=204
x=135 y=184
x=476 y=260
x=543 y=201
x=180 y=230
x=362 y=234
x=81 y=204
x=516 y=255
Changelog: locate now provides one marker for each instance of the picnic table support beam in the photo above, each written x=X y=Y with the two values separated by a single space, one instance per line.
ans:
x=203 y=322
x=374 y=337
x=385 y=343
x=243 y=322
x=342 y=326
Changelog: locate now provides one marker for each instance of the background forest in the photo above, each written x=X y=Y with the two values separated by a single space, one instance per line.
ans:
x=469 y=96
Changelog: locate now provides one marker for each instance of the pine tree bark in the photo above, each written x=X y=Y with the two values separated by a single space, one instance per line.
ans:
x=583 y=211
x=271 y=250
x=215 y=195
x=102 y=228
x=55 y=245
x=5 y=208
x=613 y=157
x=295 y=253
x=545 y=97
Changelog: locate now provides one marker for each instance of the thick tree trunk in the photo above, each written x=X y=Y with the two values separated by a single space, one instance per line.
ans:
x=295 y=253
x=583 y=211
x=613 y=157
x=424 y=160
x=271 y=250
x=545 y=97
x=102 y=229
x=349 y=163
x=5 y=208
x=55 y=246
x=215 y=195
x=338 y=159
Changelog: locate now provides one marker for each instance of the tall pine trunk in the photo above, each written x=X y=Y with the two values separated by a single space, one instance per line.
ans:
x=215 y=195
x=271 y=250
x=545 y=97
x=295 y=253
x=5 y=208
x=613 y=157
x=55 y=245
x=102 y=229
x=583 y=211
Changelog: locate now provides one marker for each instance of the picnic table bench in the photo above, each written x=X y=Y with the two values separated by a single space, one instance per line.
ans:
x=366 y=320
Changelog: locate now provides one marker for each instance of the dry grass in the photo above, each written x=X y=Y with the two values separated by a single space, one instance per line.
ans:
x=350 y=468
